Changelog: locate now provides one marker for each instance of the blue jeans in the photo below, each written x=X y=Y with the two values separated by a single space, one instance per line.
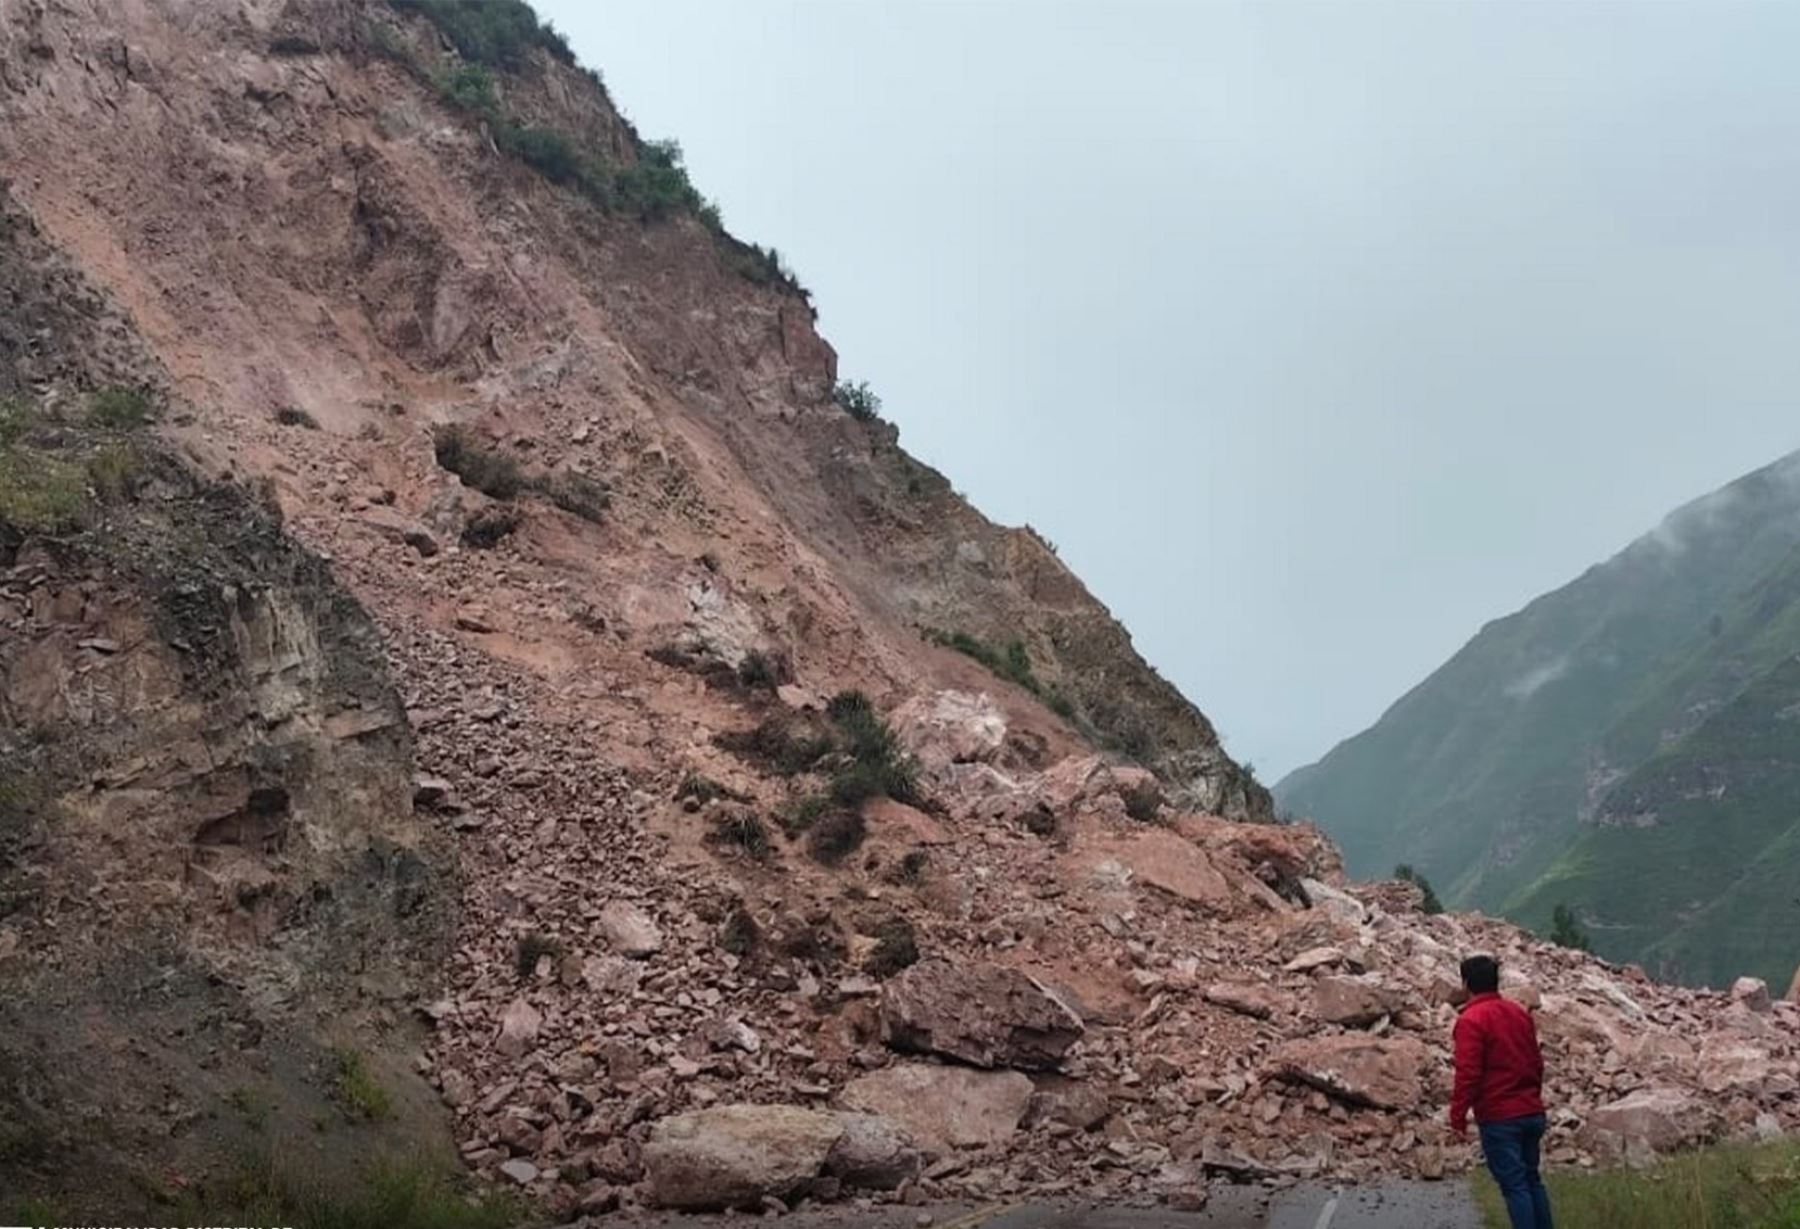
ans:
x=1511 y=1148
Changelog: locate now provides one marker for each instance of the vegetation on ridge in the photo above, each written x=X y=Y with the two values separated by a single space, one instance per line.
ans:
x=499 y=35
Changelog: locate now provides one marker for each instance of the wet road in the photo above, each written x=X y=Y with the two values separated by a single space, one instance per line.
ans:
x=1397 y=1205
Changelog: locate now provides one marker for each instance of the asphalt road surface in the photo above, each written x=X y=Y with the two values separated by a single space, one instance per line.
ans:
x=1396 y=1205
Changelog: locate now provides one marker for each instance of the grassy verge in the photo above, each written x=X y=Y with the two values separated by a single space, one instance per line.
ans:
x=1738 y=1187
x=389 y=1195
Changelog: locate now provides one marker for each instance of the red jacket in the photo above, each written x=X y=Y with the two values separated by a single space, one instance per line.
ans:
x=1499 y=1068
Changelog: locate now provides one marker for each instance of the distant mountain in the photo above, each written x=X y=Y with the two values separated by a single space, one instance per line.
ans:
x=1628 y=745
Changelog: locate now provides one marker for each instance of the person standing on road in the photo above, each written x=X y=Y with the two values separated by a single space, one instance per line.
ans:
x=1500 y=1078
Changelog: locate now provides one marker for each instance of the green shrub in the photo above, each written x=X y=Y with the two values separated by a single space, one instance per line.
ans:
x=762 y=670
x=358 y=1094
x=783 y=744
x=478 y=464
x=742 y=829
x=545 y=149
x=1566 y=929
x=531 y=949
x=498 y=33
x=40 y=493
x=836 y=835
x=119 y=407
x=1429 y=901
x=1012 y=663
x=857 y=400
x=576 y=494
x=803 y=814
x=470 y=87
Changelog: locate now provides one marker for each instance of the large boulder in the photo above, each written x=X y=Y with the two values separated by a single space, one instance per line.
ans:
x=629 y=930
x=989 y=1015
x=1383 y=1072
x=945 y=1108
x=1355 y=1001
x=872 y=1152
x=1793 y=993
x=1253 y=999
x=1752 y=993
x=732 y=1156
x=1167 y=862
x=1733 y=1064
x=1664 y=1119
x=950 y=727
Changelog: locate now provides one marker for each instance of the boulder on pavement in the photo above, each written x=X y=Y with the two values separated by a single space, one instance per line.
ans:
x=989 y=1015
x=1383 y=1072
x=944 y=1108
x=872 y=1152
x=732 y=1156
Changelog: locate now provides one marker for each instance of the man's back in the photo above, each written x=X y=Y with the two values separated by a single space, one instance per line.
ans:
x=1499 y=1067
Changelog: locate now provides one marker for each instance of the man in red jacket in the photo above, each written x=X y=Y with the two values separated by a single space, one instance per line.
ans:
x=1500 y=1076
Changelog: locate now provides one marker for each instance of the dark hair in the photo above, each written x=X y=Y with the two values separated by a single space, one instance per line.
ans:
x=1481 y=974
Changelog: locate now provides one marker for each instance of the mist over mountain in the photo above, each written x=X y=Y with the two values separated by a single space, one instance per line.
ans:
x=1624 y=745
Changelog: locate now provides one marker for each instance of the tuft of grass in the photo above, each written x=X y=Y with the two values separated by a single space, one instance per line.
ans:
x=390 y=1194
x=41 y=493
x=357 y=1092
x=896 y=948
x=1734 y=1187
x=120 y=408
x=763 y=670
x=739 y=935
x=253 y=1104
x=836 y=835
x=577 y=494
x=488 y=526
x=531 y=948
x=742 y=829
x=1144 y=802
x=114 y=471
x=783 y=744
x=294 y=416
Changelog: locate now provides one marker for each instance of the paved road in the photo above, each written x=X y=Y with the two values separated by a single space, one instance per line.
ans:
x=1397 y=1205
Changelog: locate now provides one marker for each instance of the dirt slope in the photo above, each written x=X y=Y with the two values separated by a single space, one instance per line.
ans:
x=619 y=703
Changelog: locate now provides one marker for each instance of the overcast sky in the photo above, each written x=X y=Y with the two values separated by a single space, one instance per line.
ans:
x=1315 y=335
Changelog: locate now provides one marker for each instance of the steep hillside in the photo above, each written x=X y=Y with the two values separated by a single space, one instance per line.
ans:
x=1614 y=746
x=469 y=674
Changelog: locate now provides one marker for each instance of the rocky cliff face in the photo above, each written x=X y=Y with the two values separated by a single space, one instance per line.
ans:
x=211 y=880
x=760 y=891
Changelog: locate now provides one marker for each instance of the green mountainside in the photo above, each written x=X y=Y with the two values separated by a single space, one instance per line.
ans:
x=1628 y=745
